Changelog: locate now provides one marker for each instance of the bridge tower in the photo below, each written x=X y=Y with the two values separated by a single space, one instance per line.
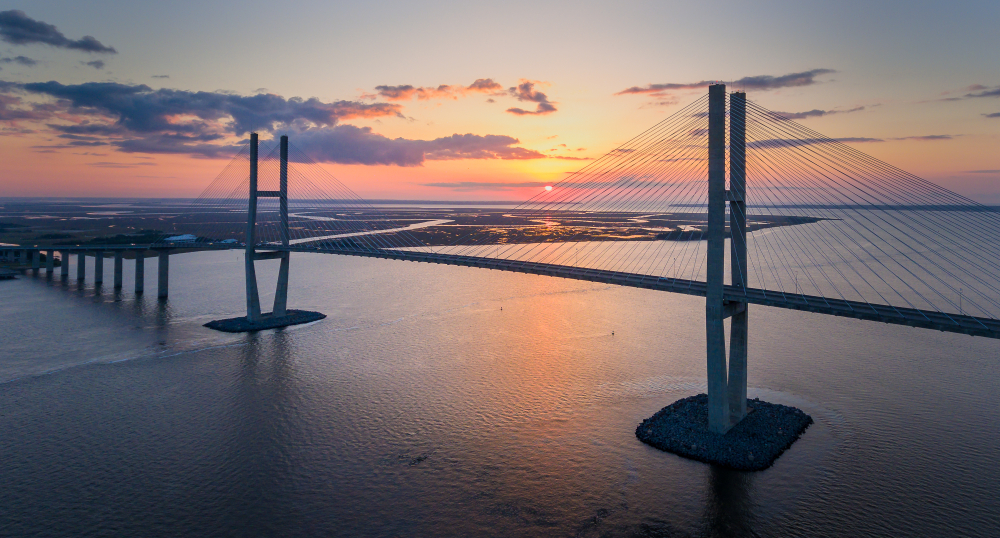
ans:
x=281 y=293
x=726 y=390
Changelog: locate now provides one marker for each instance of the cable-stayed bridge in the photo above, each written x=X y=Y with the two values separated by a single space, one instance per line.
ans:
x=802 y=221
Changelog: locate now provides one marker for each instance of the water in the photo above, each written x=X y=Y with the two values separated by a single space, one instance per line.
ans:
x=420 y=408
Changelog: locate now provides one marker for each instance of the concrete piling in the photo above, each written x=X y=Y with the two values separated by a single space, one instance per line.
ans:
x=140 y=271
x=162 y=273
x=81 y=266
x=64 y=264
x=98 y=267
x=118 y=269
x=50 y=261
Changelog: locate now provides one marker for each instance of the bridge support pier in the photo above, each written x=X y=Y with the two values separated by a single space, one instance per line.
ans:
x=718 y=393
x=50 y=262
x=36 y=260
x=118 y=269
x=163 y=273
x=99 y=268
x=81 y=266
x=280 y=315
x=727 y=391
x=140 y=271
x=64 y=264
x=739 y=324
x=280 y=308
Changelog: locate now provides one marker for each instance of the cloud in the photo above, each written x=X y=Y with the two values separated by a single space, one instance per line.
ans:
x=995 y=92
x=108 y=164
x=974 y=91
x=139 y=119
x=992 y=115
x=777 y=143
x=11 y=110
x=136 y=118
x=487 y=185
x=20 y=60
x=96 y=64
x=141 y=109
x=525 y=92
x=161 y=76
x=982 y=171
x=18 y=29
x=406 y=92
x=348 y=144
x=759 y=82
x=926 y=137
x=816 y=113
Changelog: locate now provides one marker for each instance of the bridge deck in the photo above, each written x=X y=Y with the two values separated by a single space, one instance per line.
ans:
x=912 y=317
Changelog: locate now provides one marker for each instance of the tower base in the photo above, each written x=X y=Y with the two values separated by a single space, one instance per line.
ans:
x=267 y=321
x=753 y=444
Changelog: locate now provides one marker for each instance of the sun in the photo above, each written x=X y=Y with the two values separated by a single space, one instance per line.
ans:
x=548 y=187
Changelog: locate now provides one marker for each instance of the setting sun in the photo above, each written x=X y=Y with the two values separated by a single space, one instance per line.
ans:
x=548 y=187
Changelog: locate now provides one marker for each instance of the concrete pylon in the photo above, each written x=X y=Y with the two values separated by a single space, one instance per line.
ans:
x=727 y=391
x=50 y=261
x=738 y=329
x=253 y=299
x=281 y=293
x=81 y=266
x=718 y=405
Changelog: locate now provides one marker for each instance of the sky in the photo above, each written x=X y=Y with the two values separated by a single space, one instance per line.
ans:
x=472 y=100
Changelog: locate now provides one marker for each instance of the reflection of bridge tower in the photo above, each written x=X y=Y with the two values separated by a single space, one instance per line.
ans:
x=726 y=397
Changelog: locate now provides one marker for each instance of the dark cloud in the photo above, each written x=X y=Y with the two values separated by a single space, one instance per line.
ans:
x=926 y=137
x=12 y=109
x=777 y=143
x=995 y=92
x=816 y=113
x=974 y=91
x=992 y=115
x=347 y=144
x=109 y=164
x=982 y=171
x=96 y=64
x=20 y=60
x=487 y=186
x=139 y=119
x=161 y=76
x=759 y=82
x=19 y=29
x=141 y=109
x=406 y=92
x=525 y=92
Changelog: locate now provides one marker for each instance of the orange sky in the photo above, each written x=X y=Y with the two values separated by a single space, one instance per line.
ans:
x=530 y=102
